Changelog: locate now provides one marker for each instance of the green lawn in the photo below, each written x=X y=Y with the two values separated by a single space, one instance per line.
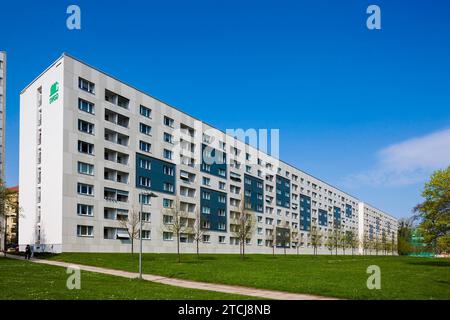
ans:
x=338 y=276
x=21 y=280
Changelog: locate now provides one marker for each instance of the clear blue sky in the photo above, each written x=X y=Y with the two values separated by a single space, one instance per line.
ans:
x=350 y=103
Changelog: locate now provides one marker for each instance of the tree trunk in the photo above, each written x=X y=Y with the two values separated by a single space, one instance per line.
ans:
x=198 y=253
x=132 y=246
x=178 y=248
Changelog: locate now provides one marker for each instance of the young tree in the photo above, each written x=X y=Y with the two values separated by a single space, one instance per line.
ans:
x=131 y=224
x=405 y=229
x=316 y=238
x=271 y=239
x=197 y=231
x=177 y=224
x=284 y=237
x=330 y=241
x=296 y=239
x=6 y=199
x=352 y=240
x=435 y=211
x=245 y=225
x=366 y=243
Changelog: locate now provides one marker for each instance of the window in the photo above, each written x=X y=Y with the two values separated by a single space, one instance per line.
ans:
x=222 y=185
x=85 y=210
x=221 y=239
x=222 y=172
x=145 y=182
x=206 y=195
x=85 y=189
x=145 y=234
x=168 y=122
x=86 y=106
x=167 y=219
x=167 y=203
x=85 y=168
x=168 y=187
x=86 y=85
x=144 y=146
x=206 y=210
x=248 y=181
x=206 y=238
x=221 y=226
x=145 y=164
x=169 y=171
x=85 y=147
x=144 y=111
x=168 y=137
x=222 y=199
x=85 y=126
x=145 y=199
x=167 y=154
x=167 y=236
x=221 y=213
x=85 y=231
x=145 y=129
x=206 y=181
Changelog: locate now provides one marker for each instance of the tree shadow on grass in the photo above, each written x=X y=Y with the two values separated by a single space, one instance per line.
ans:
x=432 y=263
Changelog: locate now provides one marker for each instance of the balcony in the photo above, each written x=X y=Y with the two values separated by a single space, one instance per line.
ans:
x=116 y=99
x=117 y=157
x=117 y=118
x=115 y=195
x=116 y=176
x=115 y=137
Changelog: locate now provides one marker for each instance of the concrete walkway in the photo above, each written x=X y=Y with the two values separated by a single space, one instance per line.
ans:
x=253 y=292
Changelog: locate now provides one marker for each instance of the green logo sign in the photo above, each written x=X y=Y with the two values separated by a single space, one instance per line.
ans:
x=54 y=95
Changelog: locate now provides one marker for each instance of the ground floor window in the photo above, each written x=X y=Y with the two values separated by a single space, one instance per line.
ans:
x=85 y=231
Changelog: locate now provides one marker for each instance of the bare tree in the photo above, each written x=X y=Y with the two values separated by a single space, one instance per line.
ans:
x=330 y=243
x=296 y=238
x=131 y=224
x=177 y=223
x=316 y=238
x=352 y=240
x=366 y=243
x=271 y=238
x=283 y=237
x=244 y=225
x=197 y=232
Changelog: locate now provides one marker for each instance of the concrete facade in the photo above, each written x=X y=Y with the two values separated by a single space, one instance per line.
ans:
x=91 y=144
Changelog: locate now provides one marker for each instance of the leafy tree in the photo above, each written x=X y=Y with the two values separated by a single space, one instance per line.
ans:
x=405 y=228
x=435 y=211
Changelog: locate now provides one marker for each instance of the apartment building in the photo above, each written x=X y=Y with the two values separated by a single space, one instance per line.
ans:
x=376 y=229
x=94 y=150
x=2 y=112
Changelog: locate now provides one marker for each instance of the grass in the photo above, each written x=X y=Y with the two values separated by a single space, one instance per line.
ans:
x=336 y=276
x=22 y=280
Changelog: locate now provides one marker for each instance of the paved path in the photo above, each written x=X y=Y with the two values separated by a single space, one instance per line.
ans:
x=253 y=292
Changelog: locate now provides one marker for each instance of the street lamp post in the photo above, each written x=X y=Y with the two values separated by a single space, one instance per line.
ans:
x=141 y=196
